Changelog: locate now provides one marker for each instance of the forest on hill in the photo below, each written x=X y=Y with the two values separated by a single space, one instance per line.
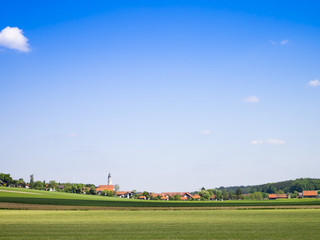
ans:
x=289 y=186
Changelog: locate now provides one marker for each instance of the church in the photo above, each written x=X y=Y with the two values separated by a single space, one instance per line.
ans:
x=108 y=187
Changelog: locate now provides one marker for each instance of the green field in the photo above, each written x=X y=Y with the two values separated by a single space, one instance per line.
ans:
x=161 y=224
x=60 y=198
x=153 y=224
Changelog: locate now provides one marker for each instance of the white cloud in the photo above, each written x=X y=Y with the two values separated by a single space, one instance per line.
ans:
x=13 y=38
x=314 y=83
x=251 y=99
x=273 y=42
x=72 y=134
x=276 y=141
x=206 y=132
x=284 y=42
x=269 y=141
x=255 y=142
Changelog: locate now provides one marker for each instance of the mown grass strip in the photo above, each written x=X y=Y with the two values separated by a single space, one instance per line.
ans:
x=232 y=224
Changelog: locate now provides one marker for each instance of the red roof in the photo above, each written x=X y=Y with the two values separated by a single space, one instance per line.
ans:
x=164 y=198
x=196 y=196
x=310 y=193
x=277 y=196
x=175 y=193
x=142 y=197
x=155 y=194
x=104 y=187
x=121 y=192
x=183 y=198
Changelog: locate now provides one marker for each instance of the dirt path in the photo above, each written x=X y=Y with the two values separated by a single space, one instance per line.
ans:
x=24 y=206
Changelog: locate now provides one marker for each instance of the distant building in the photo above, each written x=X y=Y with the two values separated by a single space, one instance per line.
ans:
x=109 y=179
x=108 y=187
x=309 y=194
x=196 y=197
x=181 y=194
x=124 y=194
x=277 y=196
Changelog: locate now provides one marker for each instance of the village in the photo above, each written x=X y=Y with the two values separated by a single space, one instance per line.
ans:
x=110 y=190
x=113 y=191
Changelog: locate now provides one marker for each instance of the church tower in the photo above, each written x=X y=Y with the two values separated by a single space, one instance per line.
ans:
x=109 y=179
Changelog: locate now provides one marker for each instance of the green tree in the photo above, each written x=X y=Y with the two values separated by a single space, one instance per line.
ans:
x=295 y=194
x=31 y=181
x=107 y=193
x=238 y=192
x=74 y=188
x=225 y=195
x=39 y=185
x=134 y=192
x=6 y=179
x=204 y=194
x=272 y=189
x=265 y=195
x=53 y=184
x=177 y=197
x=116 y=187
x=67 y=187
x=21 y=183
x=218 y=195
x=231 y=195
x=93 y=190
x=257 y=196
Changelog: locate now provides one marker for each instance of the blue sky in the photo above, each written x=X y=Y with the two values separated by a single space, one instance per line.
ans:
x=166 y=95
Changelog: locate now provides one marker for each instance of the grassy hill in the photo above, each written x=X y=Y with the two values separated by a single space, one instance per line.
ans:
x=19 y=195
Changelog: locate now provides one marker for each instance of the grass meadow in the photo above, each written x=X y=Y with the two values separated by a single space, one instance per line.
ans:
x=128 y=222
x=161 y=224
x=16 y=195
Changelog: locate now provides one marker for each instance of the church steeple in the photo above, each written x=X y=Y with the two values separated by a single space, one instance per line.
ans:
x=109 y=179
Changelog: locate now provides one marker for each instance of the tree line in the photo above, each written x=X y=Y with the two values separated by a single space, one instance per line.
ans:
x=7 y=181
x=289 y=186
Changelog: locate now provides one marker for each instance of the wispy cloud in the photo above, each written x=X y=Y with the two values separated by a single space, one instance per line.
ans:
x=273 y=42
x=314 y=83
x=269 y=141
x=284 y=42
x=251 y=99
x=13 y=38
x=255 y=142
x=206 y=132
x=72 y=134
x=276 y=141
